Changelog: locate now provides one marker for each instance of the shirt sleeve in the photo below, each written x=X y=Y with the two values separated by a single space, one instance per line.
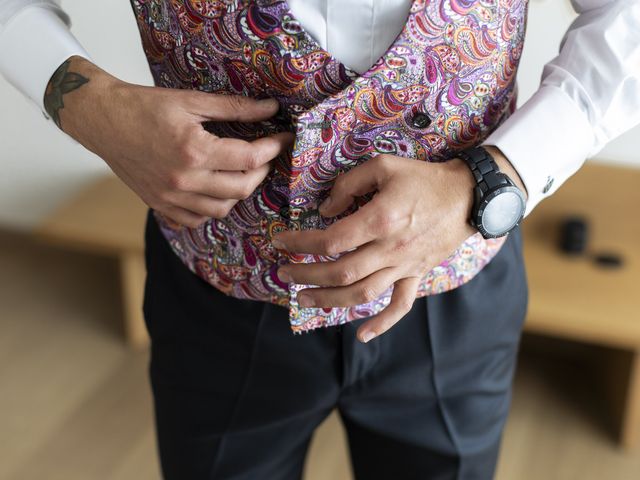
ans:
x=588 y=95
x=34 y=41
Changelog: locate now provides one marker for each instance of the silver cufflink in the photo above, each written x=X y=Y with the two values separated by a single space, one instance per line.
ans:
x=548 y=185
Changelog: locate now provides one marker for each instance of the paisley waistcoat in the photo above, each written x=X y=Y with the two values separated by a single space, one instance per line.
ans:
x=444 y=84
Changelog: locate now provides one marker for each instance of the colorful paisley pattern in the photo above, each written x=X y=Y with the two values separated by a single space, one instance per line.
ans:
x=455 y=60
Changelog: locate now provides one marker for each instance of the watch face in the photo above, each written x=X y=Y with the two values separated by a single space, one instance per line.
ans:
x=503 y=212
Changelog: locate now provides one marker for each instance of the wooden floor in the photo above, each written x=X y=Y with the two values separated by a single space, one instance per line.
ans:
x=75 y=403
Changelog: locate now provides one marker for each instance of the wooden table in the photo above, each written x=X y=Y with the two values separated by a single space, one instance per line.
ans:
x=572 y=297
x=107 y=218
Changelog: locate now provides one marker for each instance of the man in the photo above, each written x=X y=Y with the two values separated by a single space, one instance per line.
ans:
x=236 y=395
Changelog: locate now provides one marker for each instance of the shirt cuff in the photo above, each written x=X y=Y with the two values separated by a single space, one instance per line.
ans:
x=33 y=44
x=546 y=140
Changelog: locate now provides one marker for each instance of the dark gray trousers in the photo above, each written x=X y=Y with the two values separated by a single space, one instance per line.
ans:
x=238 y=396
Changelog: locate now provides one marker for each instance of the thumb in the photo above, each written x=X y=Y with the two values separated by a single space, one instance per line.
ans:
x=231 y=108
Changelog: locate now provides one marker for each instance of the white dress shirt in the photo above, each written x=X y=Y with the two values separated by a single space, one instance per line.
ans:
x=589 y=93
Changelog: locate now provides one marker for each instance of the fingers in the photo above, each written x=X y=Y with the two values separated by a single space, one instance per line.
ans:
x=404 y=294
x=370 y=222
x=214 y=173
x=183 y=217
x=363 y=291
x=348 y=269
x=203 y=205
x=207 y=154
x=228 y=185
x=230 y=108
x=216 y=153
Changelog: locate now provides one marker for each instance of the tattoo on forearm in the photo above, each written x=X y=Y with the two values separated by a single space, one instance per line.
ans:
x=62 y=82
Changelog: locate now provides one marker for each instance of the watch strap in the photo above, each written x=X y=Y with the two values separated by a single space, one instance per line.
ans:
x=484 y=168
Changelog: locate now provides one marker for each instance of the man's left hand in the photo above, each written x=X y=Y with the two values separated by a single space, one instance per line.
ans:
x=417 y=218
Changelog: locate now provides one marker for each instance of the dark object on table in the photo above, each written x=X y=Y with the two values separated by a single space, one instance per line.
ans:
x=574 y=235
x=608 y=260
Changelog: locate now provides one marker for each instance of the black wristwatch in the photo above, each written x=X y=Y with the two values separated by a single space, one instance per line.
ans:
x=498 y=205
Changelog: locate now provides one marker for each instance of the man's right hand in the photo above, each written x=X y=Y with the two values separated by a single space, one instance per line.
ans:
x=153 y=139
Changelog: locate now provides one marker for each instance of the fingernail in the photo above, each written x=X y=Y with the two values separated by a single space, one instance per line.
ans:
x=366 y=336
x=284 y=276
x=305 y=301
x=277 y=244
x=324 y=205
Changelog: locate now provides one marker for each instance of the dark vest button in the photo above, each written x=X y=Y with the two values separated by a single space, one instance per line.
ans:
x=421 y=120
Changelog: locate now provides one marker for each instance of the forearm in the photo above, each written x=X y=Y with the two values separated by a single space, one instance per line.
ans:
x=77 y=95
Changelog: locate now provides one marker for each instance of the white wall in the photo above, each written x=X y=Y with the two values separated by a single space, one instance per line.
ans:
x=39 y=167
